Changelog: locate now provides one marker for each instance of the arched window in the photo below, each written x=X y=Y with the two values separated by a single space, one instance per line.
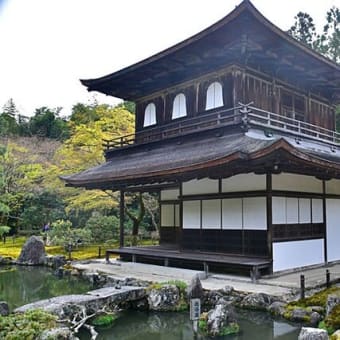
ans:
x=179 y=108
x=150 y=115
x=214 y=96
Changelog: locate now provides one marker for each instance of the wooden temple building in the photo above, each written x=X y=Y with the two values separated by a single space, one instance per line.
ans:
x=235 y=129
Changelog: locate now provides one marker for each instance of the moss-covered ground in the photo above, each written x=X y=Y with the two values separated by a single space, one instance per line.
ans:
x=12 y=248
x=332 y=321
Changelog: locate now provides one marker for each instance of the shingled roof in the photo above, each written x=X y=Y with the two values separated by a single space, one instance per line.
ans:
x=212 y=156
x=243 y=37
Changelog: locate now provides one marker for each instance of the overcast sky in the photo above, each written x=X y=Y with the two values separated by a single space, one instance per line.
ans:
x=48 y=45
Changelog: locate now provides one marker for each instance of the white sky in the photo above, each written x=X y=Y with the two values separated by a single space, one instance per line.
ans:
x=48 y=45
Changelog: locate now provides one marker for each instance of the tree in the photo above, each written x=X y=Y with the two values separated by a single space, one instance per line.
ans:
x=136 y=220
x=47 y=123
x=8 y=124
x=304 y=29
x=327 y=42
x=84 y=149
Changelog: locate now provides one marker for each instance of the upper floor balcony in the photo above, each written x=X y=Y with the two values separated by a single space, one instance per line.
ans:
x=245 y=116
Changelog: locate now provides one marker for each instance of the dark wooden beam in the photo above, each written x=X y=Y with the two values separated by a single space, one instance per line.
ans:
x=269 y=201
x=121 y=218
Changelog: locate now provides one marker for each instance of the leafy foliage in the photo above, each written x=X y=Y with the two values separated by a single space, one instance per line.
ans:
x=63 y=234
x=327 y=42
x=103 y=228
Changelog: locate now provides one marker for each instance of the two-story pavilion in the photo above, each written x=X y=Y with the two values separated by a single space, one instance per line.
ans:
x=251 y=185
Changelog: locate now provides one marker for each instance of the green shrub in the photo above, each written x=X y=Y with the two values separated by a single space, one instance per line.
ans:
x=104 y=320
x=62 y=234
x=28 y=325
x=103 y=228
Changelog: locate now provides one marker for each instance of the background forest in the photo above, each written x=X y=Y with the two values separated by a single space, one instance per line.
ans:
x=36 y=150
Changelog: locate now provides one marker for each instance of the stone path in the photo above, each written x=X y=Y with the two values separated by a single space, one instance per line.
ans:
x=98 y=296
x=281 y=285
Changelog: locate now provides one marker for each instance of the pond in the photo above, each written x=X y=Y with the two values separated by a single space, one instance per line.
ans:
x=22 y=285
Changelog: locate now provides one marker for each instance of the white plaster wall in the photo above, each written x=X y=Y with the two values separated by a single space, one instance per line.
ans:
x=293 y=182
x=317 y=210
x=167 y=218
x=171 y=194
x=333 y=229
x=191 y=215
x=254 y=213
x=211 y=214
x=232 y=213
x=202 y=186
x=295 y=254
x=244 y=182
x=333 y=186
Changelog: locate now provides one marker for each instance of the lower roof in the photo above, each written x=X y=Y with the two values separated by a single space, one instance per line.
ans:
x=213 y=154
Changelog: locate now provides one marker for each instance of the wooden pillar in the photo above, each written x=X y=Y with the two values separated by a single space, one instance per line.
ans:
x=324 y=219
x=269 y=199
x=121 y=218
x=180 y=245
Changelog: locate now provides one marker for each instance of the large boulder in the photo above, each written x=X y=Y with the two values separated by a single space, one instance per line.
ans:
x=33 y=252
x=308 y=333
x=257 y=301
x=219 y=321
x=4 y=308
x=164 y=298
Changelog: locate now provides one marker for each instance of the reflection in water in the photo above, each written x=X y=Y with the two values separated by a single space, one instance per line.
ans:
x=28 y=284
x=177 y=326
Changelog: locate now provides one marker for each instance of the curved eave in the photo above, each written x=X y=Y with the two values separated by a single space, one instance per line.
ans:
x=281 y=152
x=102 y=84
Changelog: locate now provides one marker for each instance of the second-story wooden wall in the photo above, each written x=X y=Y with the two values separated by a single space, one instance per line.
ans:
x=245 y=86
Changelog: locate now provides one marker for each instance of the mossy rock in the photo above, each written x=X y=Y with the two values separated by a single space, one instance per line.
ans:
x=332 y=321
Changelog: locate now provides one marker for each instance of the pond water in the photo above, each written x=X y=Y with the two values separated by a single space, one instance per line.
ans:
x=177 y=326
x=21 y=285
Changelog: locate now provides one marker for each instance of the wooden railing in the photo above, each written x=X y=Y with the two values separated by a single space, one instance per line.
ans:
x=189 y=125
x=244 y=114
x=299 y=128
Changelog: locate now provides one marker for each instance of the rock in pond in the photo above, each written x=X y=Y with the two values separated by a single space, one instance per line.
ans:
x=165 y=298
x=4 y=308
x=62 y=333
x=277 y=308
x=219 y=321
x=308 y=333
x=5 y=260
x=33 y=252
x=257 y=301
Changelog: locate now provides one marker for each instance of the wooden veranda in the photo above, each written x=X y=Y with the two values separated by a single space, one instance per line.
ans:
x=171 y=256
